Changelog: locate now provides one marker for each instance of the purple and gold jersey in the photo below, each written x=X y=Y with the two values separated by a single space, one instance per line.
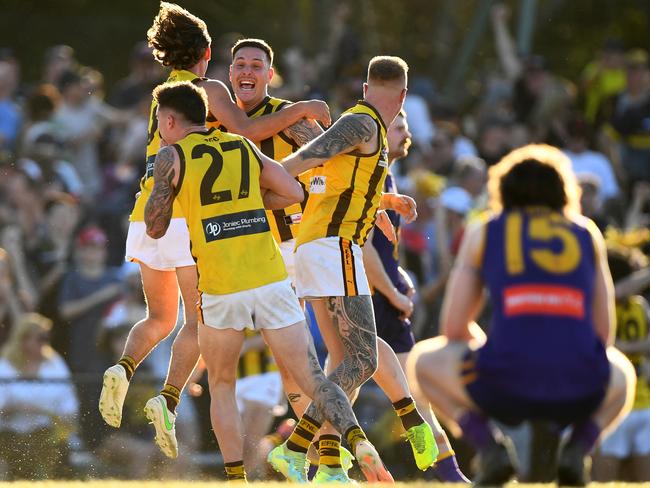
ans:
x=388 y=250
x=539 y=268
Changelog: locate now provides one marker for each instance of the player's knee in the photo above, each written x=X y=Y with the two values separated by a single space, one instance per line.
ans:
x=221 y=380
x=623 y=376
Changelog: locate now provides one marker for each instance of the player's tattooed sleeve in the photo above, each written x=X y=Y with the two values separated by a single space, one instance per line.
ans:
x=345 y=135
x=158 y=211
x=303 y=131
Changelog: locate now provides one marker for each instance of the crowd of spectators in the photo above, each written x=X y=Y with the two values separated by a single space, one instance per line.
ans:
x=72 y=153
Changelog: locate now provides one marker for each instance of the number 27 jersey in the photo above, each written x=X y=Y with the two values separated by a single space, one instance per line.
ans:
x=219 y=193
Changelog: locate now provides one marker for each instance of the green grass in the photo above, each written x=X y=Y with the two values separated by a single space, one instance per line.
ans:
x=213 y=484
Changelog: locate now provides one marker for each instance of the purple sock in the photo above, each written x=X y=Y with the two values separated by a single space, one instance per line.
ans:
x=586 y=434
x=476 y=430
x=311 y=472
x=448 y=471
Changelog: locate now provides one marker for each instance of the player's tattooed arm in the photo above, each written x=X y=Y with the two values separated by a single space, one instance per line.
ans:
x=158 y=211
x=303 y=131
x=346 y=134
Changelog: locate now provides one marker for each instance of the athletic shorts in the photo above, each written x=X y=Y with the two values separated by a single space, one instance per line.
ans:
x=390 y=327
x=272 y=306
x=330 y=267
x=511 y=408
x=287 y=249
x=265 y=388
x=169 y=252
x=631 y=437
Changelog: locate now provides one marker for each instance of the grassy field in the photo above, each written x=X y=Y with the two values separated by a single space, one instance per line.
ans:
x=213 y=484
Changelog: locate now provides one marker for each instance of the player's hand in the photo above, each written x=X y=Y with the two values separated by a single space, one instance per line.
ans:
x=402 y=204
x=385 y=225
x=409 y=282
x=194 y=389
x=318 y=110
x=402 y=303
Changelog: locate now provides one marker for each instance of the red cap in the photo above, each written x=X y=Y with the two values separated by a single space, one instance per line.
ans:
x=91 y=235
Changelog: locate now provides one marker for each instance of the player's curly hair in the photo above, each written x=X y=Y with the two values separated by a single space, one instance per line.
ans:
x=178 y=38
x=534 y=175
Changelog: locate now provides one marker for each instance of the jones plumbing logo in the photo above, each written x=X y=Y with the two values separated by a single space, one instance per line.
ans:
x=234 y=225
x=213 y=229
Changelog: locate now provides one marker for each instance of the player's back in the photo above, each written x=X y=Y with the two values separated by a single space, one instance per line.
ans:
x=153 y=145
x=344 y=193
x=539 y=268
x=220 y=196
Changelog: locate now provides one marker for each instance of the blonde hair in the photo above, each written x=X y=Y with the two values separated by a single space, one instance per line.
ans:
x=29 y=323
x=387 y=69
x=534 y=175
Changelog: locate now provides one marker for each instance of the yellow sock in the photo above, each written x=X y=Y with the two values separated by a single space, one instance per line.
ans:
x=303 y=434
x=329 y=450
x=235 y=471
x=354 y=435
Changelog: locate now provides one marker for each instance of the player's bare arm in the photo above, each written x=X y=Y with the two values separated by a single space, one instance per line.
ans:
x=379 y=279
x=304 y=131
x=158 y=211
x=603 y=305
x=351 y=132
x=464 y=298
x=235 y=119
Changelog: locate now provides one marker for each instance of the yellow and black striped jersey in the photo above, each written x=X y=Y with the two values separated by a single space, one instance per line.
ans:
x=153 y=145
x=632 y=326
x=219 y=194
x=344 y=192
x=285 y=222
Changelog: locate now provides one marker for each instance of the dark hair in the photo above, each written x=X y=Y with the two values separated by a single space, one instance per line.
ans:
x=256 y=43
x=532 y=183
x=42 y=102
x=534 y=175
x=67 y=79
x=178 y=38
x=185 y=98
x=387 y=69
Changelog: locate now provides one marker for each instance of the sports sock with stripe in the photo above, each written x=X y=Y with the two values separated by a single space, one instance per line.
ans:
x=235 y=471
x=129 y=365
x=354 y=435
x=172 y=396
x=447 y=470
x=303 y=434
x=329 y=450
x=408 y=413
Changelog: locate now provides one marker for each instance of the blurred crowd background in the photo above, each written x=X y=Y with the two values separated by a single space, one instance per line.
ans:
x=75 y=91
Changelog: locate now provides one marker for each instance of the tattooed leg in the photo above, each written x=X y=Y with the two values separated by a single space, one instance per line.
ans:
x=348 y=328
x=293 y=344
